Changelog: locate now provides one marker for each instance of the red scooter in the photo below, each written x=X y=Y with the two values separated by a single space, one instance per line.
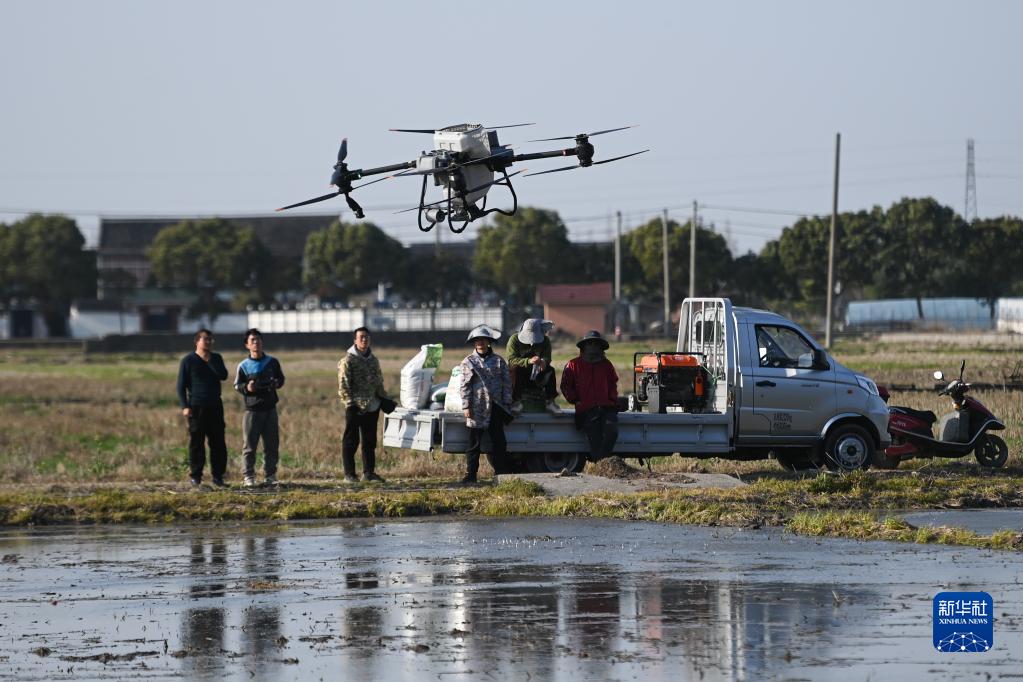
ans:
x=962 y=431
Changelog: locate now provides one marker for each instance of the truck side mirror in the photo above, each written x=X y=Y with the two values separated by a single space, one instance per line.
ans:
x=820 y=359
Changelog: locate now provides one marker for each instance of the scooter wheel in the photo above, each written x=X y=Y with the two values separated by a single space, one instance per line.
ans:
x=992 y=451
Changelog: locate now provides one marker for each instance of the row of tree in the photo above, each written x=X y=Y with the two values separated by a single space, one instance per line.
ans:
x=916 y=248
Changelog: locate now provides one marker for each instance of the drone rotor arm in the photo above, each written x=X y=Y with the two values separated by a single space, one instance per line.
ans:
x=386 y=177
x=544 y=155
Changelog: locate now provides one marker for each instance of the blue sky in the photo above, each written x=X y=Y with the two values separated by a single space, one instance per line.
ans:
x=143 y=108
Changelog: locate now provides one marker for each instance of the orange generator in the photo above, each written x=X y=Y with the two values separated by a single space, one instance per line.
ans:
x=669 y=379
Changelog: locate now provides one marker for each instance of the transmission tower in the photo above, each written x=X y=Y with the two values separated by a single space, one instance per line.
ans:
x=971 y=185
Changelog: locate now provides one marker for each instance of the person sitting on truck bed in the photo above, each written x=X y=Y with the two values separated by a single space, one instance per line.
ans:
x=590 y=382
x=534 y=386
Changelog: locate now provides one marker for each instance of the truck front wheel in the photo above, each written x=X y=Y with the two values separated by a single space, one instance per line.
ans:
x=848 y=447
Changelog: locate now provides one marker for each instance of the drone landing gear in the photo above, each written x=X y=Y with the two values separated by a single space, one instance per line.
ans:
x=354 y=205
x=466 y=212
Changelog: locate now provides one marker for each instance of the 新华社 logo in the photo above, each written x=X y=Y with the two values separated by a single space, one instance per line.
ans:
x=964 y=622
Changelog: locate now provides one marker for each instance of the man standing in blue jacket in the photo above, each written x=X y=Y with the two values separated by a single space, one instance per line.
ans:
x=258 y=378
x=199 y=380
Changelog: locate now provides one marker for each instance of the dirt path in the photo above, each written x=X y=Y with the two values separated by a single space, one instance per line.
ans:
x=559 y=485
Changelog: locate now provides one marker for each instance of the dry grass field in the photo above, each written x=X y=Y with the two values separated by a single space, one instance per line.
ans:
x=67 y=417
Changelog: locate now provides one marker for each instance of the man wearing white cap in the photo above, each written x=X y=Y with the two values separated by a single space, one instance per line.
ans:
x=486 y=397
x=529 y=353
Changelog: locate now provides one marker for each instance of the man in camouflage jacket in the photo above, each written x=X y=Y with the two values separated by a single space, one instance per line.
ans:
x=360 y=387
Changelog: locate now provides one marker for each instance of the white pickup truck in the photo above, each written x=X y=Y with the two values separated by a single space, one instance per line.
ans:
x=768 y=390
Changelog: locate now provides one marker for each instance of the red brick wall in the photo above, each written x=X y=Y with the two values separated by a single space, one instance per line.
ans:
x=575 y=320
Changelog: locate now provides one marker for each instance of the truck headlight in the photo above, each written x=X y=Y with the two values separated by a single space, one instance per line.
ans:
x=867 y=385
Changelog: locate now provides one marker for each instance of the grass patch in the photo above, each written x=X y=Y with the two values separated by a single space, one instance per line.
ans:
x=867 y=526
x=823 y=505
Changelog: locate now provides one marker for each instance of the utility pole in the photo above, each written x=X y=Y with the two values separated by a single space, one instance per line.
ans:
x=692 y=254
x=618 y=274
x=970 y=210
x=664 y=250
x=831 y=243
x=618 y=259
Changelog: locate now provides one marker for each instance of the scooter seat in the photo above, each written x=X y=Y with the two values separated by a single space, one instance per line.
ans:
x=925 y=415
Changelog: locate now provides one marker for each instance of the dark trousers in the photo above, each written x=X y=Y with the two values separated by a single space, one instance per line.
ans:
x=207 y=424
x=498 y=445
x=256 y=425
x=600 y=424
x=359 y=426
x=545 y=384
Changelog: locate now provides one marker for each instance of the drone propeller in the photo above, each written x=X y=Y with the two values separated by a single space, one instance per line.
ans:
x=467 y=192
x=617 y=158
x=432 y=131
x=342 y=153
x=311 y=201
x=573 y=137
x=595 y=163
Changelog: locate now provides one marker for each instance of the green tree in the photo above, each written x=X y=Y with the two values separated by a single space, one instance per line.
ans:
x=991 y=258
x=521 y=251
x=758 y=280
x=445 y=277
x=345 y=259
x=713 y=260
x=211 y=256
x=921 y=239
x=42 y=259
x=803 y=255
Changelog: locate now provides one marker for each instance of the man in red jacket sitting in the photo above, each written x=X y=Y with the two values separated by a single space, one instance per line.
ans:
x=591 y=384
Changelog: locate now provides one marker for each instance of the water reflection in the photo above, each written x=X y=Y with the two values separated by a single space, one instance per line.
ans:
x=394 y=602
x=202 y=626
x=261 y=624
x=508 y=614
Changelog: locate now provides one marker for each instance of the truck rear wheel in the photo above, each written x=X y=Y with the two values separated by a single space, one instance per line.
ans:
x=848 y=447
x=555 y=462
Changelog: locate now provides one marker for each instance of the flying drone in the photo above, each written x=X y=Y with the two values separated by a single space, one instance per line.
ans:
x=467 y=160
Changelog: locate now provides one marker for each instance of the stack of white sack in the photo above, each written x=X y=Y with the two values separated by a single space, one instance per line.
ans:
x=453 y=398
x=417 y=376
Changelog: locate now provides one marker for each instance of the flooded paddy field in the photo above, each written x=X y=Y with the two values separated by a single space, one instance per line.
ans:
x=472 y=598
